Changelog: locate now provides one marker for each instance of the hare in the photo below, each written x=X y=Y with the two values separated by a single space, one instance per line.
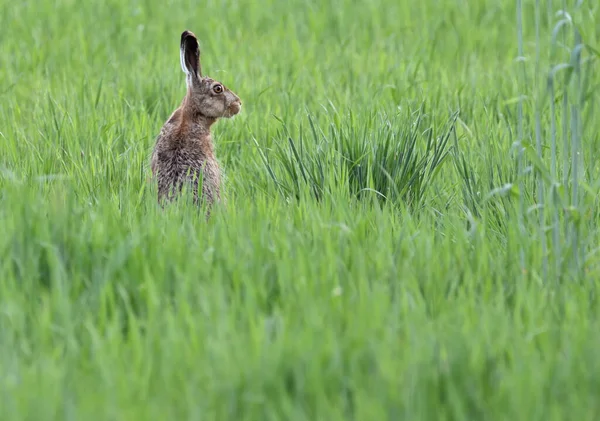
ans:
x=184 y=151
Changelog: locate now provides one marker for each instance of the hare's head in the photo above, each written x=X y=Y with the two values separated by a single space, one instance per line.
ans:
x=205 y=95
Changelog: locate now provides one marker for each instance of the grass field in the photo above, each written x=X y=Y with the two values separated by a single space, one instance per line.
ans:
x=410 y=229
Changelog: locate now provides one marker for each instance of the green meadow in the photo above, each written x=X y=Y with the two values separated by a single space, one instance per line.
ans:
x=409 y=231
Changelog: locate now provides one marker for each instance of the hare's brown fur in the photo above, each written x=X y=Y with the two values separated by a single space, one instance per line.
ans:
x=184 y=151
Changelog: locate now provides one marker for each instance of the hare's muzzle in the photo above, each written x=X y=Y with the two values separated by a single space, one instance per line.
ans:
x=235 y=108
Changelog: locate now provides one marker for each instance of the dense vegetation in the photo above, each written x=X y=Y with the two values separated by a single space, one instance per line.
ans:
x=410 y=228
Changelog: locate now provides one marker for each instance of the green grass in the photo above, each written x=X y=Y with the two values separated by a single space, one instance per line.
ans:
x=382 y=253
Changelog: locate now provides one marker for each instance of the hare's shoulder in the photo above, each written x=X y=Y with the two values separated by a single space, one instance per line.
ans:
x=182 y=156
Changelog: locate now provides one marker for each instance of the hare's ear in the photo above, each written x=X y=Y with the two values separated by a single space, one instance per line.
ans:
x=190 y=54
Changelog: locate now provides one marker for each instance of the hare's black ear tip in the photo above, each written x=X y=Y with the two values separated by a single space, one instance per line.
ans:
x=185 y=34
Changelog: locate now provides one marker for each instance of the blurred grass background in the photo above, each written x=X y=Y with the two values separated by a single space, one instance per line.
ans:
x=382 y=254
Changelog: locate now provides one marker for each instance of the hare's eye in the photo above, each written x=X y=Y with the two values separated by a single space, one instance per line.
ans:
x=218 y=89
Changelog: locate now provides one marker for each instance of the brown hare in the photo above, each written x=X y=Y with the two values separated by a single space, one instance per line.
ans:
x=184 y=152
